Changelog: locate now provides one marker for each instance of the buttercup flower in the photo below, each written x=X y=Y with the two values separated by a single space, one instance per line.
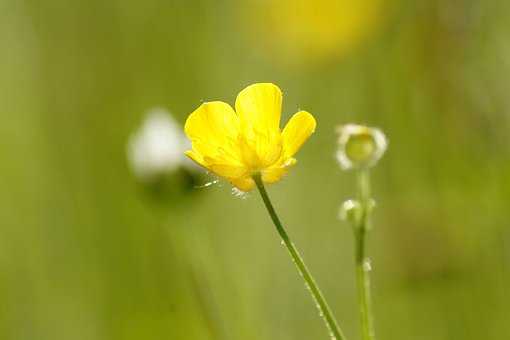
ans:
x=238 y=144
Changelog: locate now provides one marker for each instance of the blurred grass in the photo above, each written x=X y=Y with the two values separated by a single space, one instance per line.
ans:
x=84 y=255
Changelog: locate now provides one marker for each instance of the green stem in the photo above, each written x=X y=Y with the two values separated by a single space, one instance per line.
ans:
x=362 y=261
x=324 y=310
x=207 y=306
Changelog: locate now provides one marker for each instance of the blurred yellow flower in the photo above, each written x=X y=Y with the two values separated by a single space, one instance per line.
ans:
x=303 y=30
x=238 y=144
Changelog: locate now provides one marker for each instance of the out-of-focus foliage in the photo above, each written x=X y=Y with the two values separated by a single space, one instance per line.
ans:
x=85 y=253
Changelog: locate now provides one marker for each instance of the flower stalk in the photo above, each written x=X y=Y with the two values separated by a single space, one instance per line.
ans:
x=363 y=266
x=360 y=148
x=322 y=305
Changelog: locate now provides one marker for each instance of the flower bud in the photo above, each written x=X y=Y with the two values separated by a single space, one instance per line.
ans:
x=155 y=154
x=157 y=148
x=350 y=211
x=359 y=147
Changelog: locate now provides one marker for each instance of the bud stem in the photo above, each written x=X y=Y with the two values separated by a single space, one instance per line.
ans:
x=322 y=305
x=362 y=260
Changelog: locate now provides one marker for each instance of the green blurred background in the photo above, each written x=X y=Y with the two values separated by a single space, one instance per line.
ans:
x=87 y=253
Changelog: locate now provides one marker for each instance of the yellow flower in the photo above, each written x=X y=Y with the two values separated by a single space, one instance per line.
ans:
x=303 y=31
x=238 y=144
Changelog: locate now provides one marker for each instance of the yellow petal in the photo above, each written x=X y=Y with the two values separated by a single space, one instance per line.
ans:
x=259 y=109
x=259 y=106
x=228 y=170
x=214 y=129
x=196 y=157
x=249 y=154
x=222 y=170
x=275 y=173
x=244 y=183
x=296 y=132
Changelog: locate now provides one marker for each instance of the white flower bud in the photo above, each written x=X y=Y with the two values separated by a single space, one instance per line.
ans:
x=157 y=148
x=359 y=146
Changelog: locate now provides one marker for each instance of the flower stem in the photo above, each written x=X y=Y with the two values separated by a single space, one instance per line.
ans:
x=362 y=261
x=324 y=310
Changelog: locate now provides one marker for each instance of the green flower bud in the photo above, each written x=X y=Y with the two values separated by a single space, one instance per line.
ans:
x=359 y=146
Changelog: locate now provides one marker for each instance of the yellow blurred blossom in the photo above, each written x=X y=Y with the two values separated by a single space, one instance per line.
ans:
x=300 y=30
x=238 y=144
